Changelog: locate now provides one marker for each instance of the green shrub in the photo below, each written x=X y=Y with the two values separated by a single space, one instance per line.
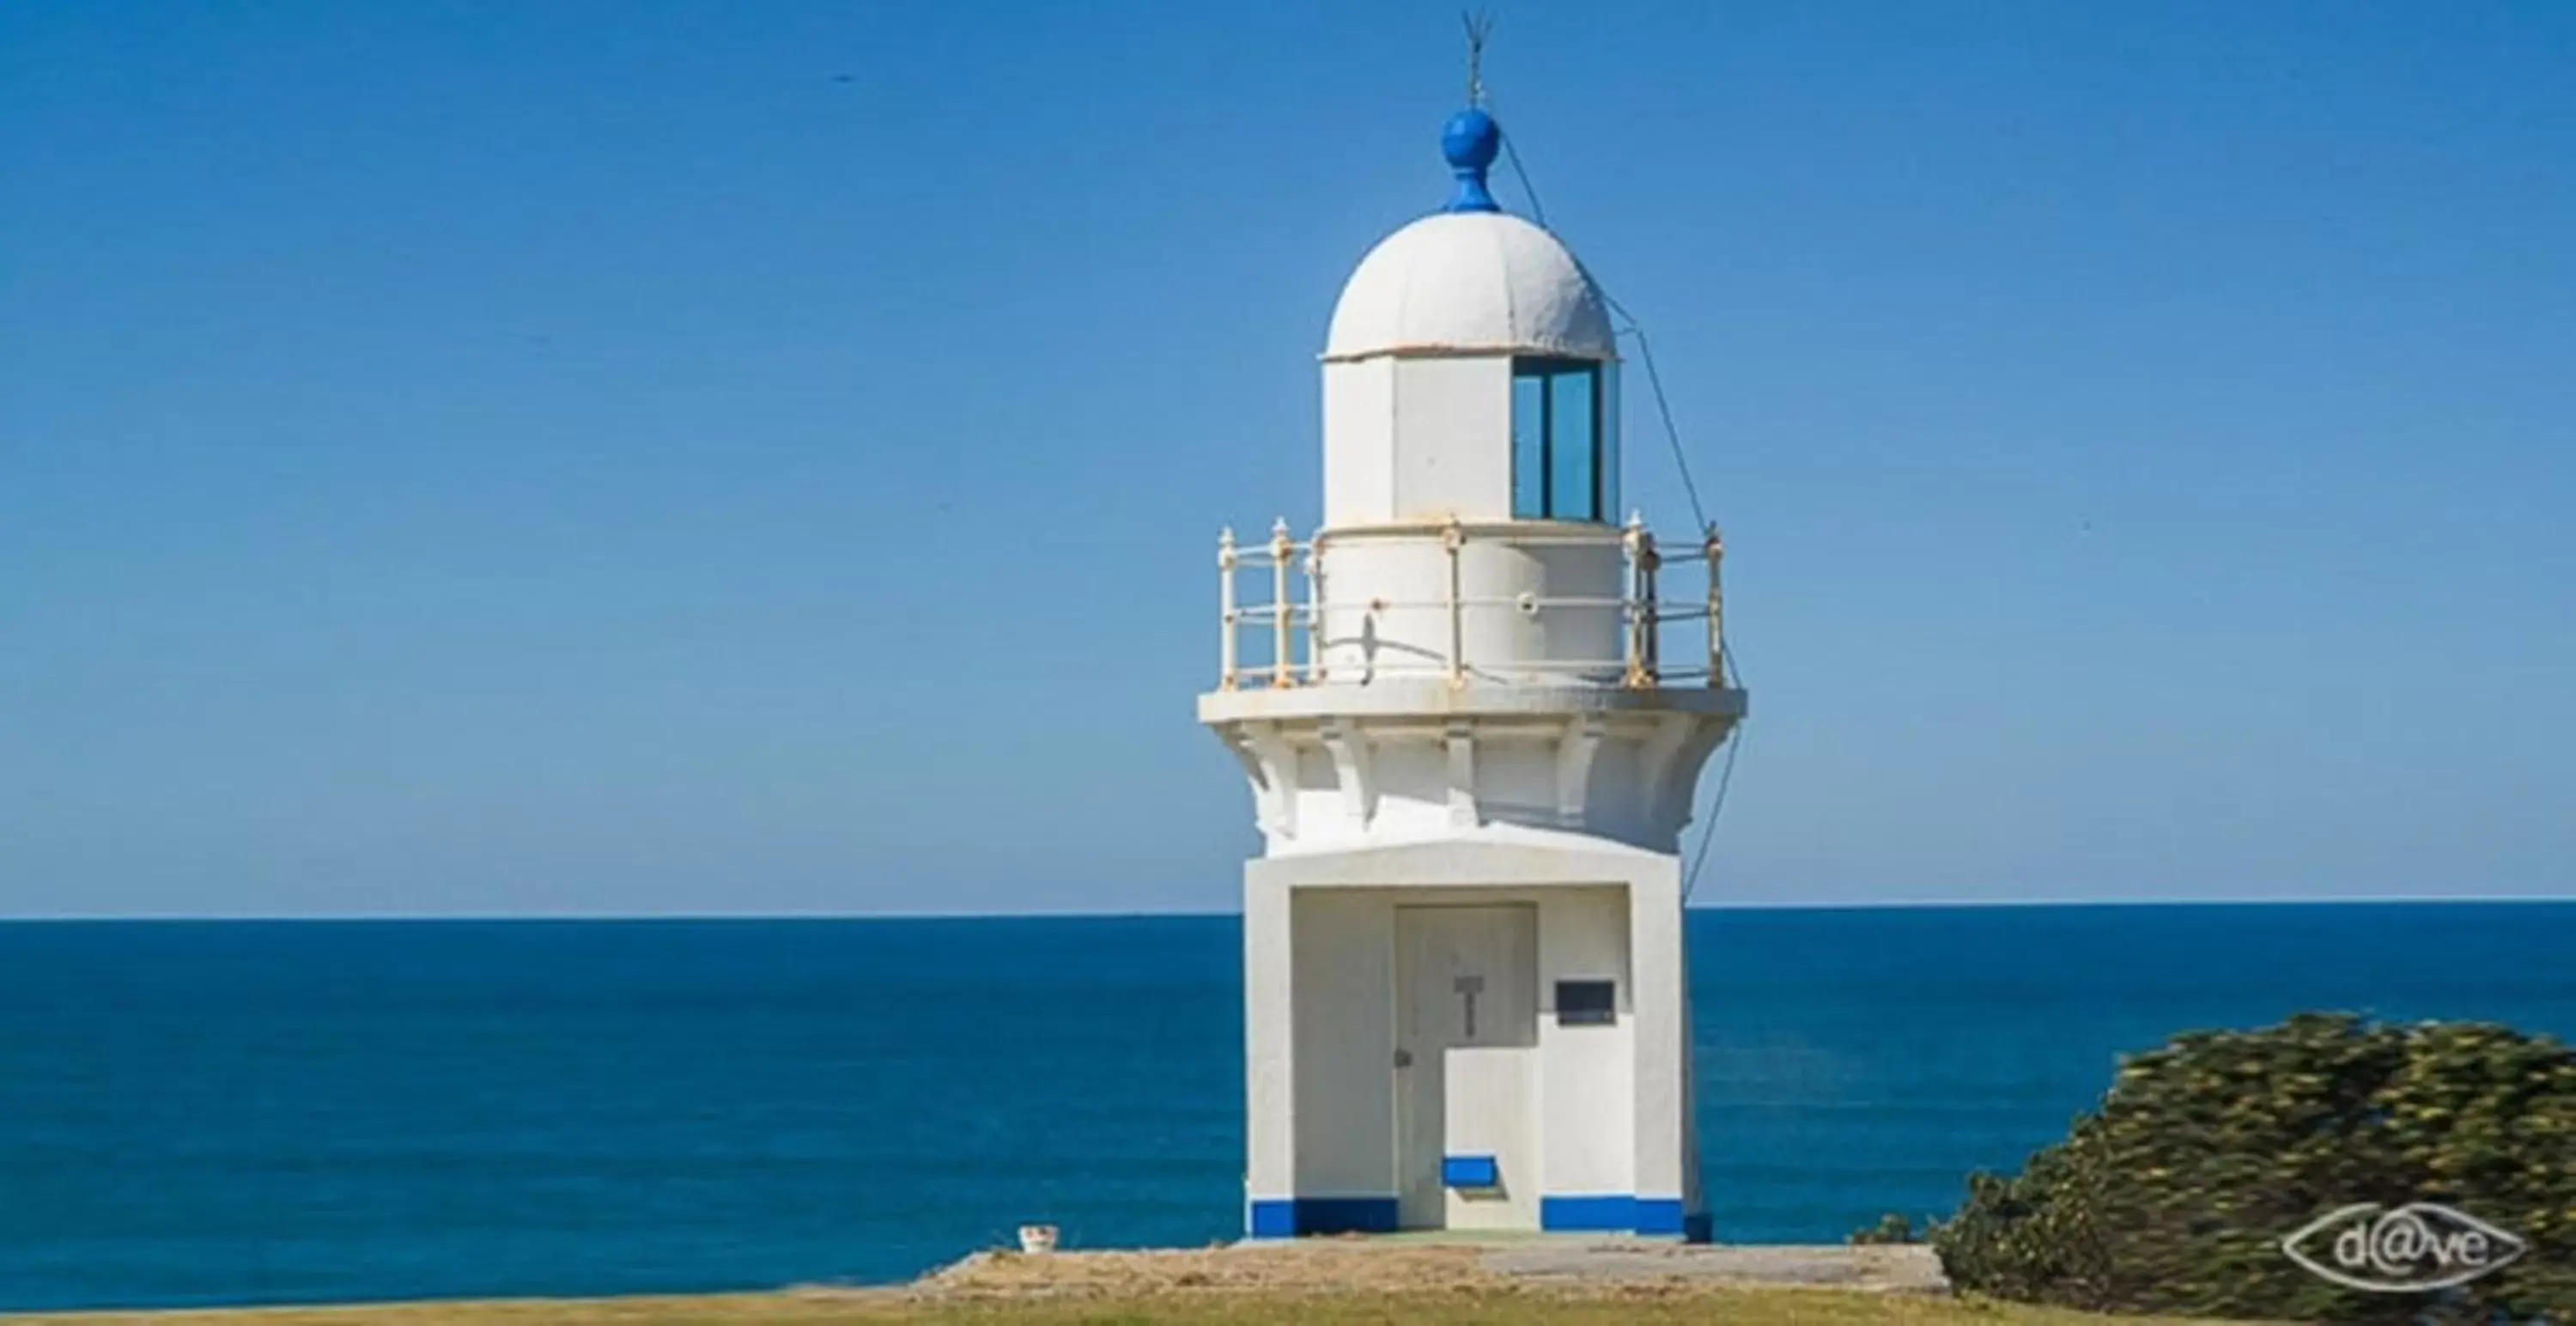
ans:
x=1891 y=1228
x=2176 y=1194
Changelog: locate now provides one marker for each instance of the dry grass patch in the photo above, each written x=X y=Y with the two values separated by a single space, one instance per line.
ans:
x=1182 y=1306
x=1309 y=1282
x=1302 y=1266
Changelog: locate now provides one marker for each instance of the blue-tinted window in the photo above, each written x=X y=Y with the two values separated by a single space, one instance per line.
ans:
x=1529 y=445
x=1561 y=467
x=1573 y=460
x=1608 y=467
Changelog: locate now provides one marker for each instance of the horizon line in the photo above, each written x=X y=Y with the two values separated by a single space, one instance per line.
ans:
x=1746 y=905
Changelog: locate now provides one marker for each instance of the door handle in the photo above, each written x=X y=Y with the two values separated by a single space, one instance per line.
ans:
x=1404 y=1058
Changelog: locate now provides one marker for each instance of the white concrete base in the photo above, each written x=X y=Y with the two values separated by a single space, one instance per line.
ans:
x=1347 y=1000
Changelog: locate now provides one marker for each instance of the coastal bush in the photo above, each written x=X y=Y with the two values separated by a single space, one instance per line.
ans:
x=1891 y=1228
x=2176 y=1193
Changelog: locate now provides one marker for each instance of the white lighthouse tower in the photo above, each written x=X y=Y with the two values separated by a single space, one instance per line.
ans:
x=1473 y=709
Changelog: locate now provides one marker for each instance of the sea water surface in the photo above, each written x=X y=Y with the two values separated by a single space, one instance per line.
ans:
x=195 y=1113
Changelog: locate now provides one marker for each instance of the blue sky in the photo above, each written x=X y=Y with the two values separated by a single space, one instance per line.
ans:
x=655 y=458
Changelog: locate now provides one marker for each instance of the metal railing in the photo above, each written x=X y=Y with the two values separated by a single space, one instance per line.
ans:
x=1295 y=625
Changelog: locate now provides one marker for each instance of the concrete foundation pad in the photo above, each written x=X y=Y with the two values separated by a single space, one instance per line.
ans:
x=1410 y=1262
x=1897 y=1269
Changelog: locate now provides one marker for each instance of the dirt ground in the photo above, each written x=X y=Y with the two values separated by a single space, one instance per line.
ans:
x=1311 y=1282
x=1398 y=1265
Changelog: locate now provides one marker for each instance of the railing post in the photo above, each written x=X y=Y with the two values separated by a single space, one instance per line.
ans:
x=1315 y=607
x=1716 y=612
x=1280 y=551
x=1225 y=609
x=1452 y=540
x=1654 y=640
x=1632 y=550
x=1640 y=548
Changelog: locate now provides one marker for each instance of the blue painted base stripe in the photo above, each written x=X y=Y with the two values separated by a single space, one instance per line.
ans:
x=1608 y=1213
x=1290 y=1217
x=1596 y=1215
x=1623 y=1214
x=1271 y=1220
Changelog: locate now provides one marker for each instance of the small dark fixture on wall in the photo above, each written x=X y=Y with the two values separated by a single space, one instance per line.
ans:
x=1587 y=1003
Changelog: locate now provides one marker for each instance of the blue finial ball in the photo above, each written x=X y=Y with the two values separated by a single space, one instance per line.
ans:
x=1471 y=140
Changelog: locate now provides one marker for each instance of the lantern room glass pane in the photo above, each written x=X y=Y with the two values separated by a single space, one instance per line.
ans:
x=1572 y=445
x=1559 y=460
x=1529 y=447
x=1606 y=420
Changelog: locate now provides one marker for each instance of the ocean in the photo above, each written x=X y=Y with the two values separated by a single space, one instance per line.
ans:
x=240 y=1112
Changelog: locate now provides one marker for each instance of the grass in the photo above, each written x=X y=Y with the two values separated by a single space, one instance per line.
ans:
x=1508 y=1307
x=1304 y=1282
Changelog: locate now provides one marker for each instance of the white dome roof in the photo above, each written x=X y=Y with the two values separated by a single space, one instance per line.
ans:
x=1470 y=281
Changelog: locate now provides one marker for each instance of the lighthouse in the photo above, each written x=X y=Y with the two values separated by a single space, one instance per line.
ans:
x=1473 y=708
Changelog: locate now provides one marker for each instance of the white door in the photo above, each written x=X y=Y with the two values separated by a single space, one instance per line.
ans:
x=1466 y=1037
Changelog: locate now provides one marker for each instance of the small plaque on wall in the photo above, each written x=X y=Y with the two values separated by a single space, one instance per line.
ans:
x=1587 y=1003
